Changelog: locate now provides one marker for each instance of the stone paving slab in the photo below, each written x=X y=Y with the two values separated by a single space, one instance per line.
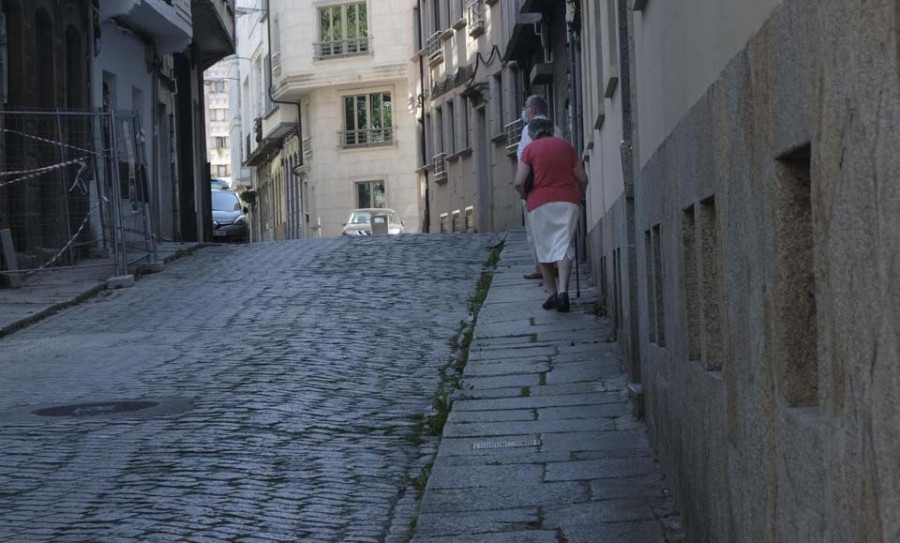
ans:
x=510 y=367
x=504 y=496
x=538 y=401
x=511 y=353
x=493 y=416
x=502 y=381
x=493 y=429
x=451 y=524
x=531 y=536
x=450 y=477
x=557 y=460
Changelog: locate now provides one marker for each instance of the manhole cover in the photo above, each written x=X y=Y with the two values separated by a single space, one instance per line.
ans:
x=94 y=409
x=144 y=408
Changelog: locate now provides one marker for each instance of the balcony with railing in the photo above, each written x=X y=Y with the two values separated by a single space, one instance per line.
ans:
x=213 y=30
x=475 y=17
x=168 y=22
x=342 y=48
x=514 y=135
x=434 y=47
x=370 y=137
x=306 y=149
x=440 y=168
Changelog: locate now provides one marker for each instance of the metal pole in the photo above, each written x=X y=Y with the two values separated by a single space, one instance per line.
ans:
x=99 y=177
x=62 y=174
x=143 y=191
x=121 y=254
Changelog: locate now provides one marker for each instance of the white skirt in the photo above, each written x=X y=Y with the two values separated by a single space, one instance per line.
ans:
x=553 y=228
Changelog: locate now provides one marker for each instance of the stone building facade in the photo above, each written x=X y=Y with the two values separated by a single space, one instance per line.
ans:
x=44 y=64
x=467 y=100
x=744 y=224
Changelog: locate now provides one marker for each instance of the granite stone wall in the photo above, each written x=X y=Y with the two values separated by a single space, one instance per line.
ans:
x=768 y=259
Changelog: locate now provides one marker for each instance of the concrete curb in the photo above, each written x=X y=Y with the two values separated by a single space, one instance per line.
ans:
x=52 y=310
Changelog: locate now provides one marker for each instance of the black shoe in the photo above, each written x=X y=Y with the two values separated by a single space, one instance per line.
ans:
x=550 y=303
x=562 y=303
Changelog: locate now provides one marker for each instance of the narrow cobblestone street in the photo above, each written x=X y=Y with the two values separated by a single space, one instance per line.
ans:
x=305 y=363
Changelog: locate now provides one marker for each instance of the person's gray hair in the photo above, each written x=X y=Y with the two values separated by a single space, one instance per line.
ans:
x=538 y=104
x=541 y=128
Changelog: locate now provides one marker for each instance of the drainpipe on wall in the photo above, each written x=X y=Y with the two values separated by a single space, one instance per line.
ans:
x=426 y=228
x=575 y=97
x=574 y=80
x=156 y=139
x=625 y=85
x=627 y=145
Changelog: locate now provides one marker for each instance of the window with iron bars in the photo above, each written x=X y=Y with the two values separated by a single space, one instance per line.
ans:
x=514 y=135
x=434 y=47
x=440 y=168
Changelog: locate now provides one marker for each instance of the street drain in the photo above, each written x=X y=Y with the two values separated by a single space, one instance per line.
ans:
x=94 y=409
x=506 y=444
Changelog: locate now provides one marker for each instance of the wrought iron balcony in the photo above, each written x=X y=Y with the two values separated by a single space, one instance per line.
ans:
x=440 y=168
x=475 y=17
x=373 y=137
x=434 y=47
x=343 y=48
x=514 y=135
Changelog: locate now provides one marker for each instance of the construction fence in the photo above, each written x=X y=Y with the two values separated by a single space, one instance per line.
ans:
x=73 y=192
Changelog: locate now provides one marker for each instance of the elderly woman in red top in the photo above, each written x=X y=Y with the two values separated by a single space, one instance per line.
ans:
x=553 y=204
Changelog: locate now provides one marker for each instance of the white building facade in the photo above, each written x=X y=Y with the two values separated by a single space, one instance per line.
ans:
x=218 y=119
x=336 y=131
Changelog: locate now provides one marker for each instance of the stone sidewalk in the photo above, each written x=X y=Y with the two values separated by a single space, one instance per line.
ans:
x=541 y=446
x=50 y=291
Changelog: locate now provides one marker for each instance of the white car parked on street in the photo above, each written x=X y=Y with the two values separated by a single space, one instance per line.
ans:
x=360 y=222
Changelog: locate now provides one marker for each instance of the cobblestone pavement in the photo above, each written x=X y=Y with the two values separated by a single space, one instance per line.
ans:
x=305 y=361
x=541 y=446
x=45 y=293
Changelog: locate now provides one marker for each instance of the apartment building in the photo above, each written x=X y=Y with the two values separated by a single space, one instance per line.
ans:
x=468 y=100
x=216 y=86
x=336 y=131
x=253 y=105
